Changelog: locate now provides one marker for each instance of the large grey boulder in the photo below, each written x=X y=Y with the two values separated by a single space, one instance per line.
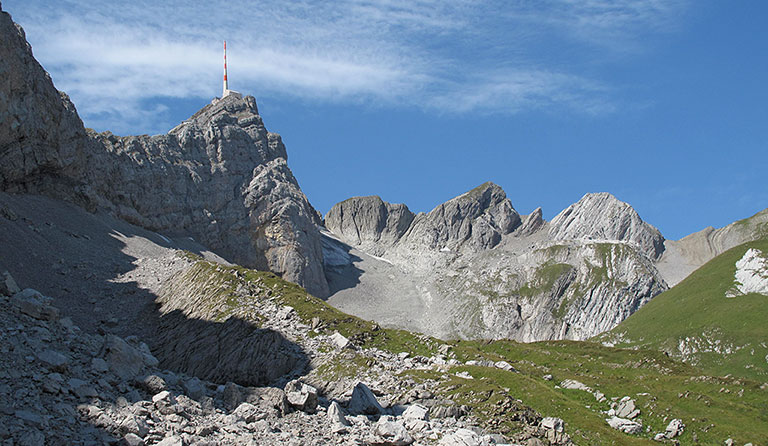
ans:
x=34 y=304
x=301 y=396
x=626 y=409
x=363 y=401
x=465 y=437
x=336 y=415
x=391 y=433
x=416 y=412
x=124 y=360
x=674 y=428
x=600 y=216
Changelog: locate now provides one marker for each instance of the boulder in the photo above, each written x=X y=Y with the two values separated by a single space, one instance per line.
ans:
x=341 y=341
x=132 y=440
x=163 y=397
x=416 y=412
x=674 y=428
x=134 y=425
x=8 y=286
x=301 y=396
x=124 y=360
x=34 y=304
x=392 y=433
x=626 y=409
x=246 y=412
x=153 y=384
x=336 y=415
x=99 y=365
x=194 y=388
x=553 y=424
x=363 y=401
x=54 y=360
x=624 y=425
x=504 y=365
x=465 y=437
x=173 y=440
x=576 y=385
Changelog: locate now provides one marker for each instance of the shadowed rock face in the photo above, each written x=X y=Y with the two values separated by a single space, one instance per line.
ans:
x=41 y=136
x=219 y=177
x=602 y=217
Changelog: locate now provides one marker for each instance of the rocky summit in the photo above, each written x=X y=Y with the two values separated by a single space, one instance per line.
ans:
x=180 y=289
x=219 y=177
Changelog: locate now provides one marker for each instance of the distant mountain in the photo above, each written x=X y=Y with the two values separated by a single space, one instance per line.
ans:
x=683 y=256
x=705 y=321
x=474 y=268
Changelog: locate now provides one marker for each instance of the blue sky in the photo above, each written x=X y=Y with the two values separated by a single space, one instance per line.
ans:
x=662 y=103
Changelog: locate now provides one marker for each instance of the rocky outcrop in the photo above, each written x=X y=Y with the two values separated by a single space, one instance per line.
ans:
x=475 y=220
x=219 y=177
x=571 y=290
x=369 y=222
x=601 y=216
x=204 y=331
x=531 y=223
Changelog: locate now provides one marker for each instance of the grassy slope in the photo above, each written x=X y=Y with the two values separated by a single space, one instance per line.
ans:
x=697 y=308
x=675 y=390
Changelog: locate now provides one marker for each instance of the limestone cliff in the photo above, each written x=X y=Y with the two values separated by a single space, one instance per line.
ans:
x=219 y=177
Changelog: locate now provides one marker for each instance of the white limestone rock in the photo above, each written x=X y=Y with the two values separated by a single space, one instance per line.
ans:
x=626 y=408
x=416 y=412
x=751 y=274
x=625 y=425
x=674 y=428
x=340 y=341
x=301 y=396
x=392 y=433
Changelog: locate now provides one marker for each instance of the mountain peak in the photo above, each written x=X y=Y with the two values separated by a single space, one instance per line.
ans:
x=602 y=216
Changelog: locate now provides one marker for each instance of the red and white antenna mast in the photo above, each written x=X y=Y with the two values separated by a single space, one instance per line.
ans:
x=226 y=85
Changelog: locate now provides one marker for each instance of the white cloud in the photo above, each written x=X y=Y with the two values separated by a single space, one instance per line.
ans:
x=458 y=56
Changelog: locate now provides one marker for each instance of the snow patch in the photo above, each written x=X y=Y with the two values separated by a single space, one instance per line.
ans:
x=751 y=274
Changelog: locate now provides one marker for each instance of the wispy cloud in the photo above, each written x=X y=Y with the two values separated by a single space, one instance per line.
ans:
x=453 y=56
